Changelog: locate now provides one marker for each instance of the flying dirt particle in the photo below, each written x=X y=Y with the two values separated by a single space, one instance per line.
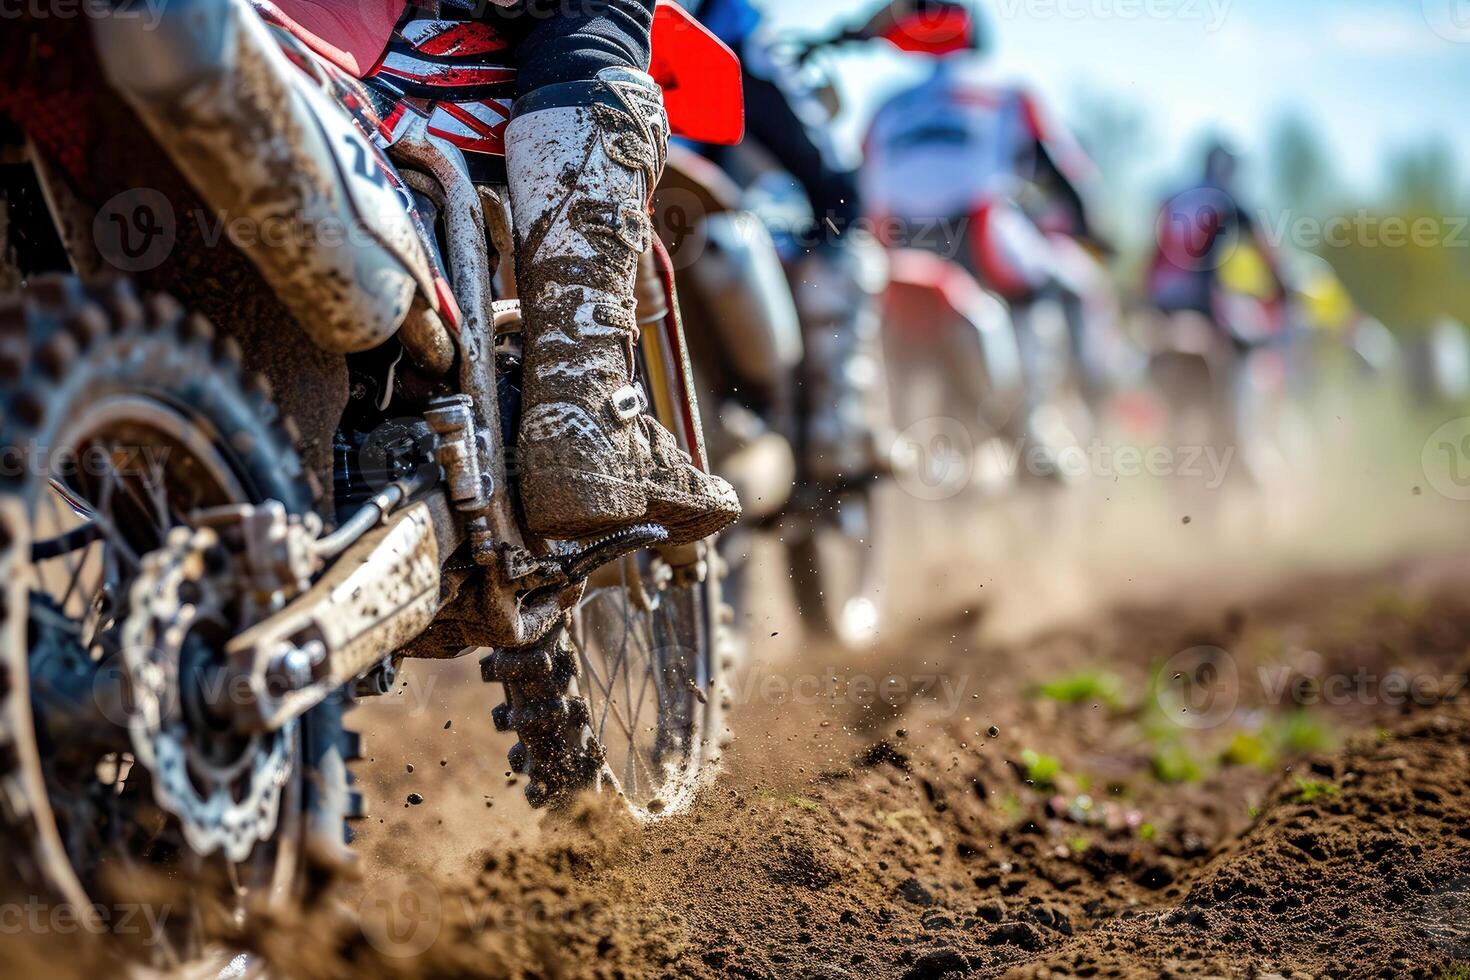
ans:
x=443 y=762
x=993 y=732
x=1417 y=491
x=414 y=799
x=1187 y=519
x=775 y=634
x=409 y=767
x=447 y=724
x=901 y=733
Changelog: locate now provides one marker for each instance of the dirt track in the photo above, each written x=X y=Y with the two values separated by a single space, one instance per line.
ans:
x=983 y=827
x=1178 y=749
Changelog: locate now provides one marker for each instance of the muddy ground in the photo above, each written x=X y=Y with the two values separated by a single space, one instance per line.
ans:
x=1111 y=731
x=1186 y=755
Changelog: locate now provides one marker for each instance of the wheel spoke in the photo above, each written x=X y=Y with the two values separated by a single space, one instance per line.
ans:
x=634 y=643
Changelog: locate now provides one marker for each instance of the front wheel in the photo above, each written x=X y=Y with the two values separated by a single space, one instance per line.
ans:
x=836 y=563
x=627 y=695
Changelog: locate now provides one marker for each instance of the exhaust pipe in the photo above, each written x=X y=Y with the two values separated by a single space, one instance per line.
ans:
x=290 y=177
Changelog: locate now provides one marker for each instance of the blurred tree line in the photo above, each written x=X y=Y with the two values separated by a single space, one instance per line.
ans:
x=1405 y=257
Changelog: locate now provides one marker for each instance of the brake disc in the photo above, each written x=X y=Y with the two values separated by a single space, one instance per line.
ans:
x=224 y=788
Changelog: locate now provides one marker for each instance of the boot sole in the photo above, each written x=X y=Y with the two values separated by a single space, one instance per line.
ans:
x=671 y=512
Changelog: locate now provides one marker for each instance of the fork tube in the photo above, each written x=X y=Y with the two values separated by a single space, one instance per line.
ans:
x=664 y=365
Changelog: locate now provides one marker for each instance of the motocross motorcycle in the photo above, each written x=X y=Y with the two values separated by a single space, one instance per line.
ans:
x=248 y=479
x=772 y=317
x=751 y=354
x=1024 y=244
x=768 y=312
x=1223 y=377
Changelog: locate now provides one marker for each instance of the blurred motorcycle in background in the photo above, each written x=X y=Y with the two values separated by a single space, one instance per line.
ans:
x=791 y=350
x=973 y=171
x=1221 y=327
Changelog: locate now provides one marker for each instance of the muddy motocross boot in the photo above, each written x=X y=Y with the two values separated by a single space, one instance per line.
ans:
x=583 y=160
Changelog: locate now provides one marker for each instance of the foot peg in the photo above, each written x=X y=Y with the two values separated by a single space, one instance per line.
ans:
x=560 y=571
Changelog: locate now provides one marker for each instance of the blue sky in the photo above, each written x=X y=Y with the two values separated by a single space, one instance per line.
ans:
x=1374 y=75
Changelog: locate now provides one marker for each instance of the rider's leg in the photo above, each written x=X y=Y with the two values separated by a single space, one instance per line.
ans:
x=1012 y=257
x=584 y=150
x=846 y=423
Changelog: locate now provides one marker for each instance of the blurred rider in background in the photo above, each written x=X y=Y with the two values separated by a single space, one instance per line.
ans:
x=834 y=289
x=1209 y=249
x=973 y=169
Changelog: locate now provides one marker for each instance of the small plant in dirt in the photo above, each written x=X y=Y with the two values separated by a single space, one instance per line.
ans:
x=1250 y=749
x=1295 y=733
x=1084 y=687
x=1042 y=771
x=1301 y=733
x=1011 y=808
x=1173 y=763
x=1313 y=789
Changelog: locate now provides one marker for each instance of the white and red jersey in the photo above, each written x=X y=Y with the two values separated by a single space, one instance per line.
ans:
x=954 y=142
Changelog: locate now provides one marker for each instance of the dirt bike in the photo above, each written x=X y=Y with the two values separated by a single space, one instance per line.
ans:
x=246 y=481
x=1222 y=377
x=737 y=284
x=753 y=348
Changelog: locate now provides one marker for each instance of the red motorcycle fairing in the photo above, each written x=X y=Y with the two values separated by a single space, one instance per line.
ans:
x=701 y=78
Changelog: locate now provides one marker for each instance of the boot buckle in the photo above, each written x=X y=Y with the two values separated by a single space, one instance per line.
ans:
x=628 y=402
x=632 y=227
